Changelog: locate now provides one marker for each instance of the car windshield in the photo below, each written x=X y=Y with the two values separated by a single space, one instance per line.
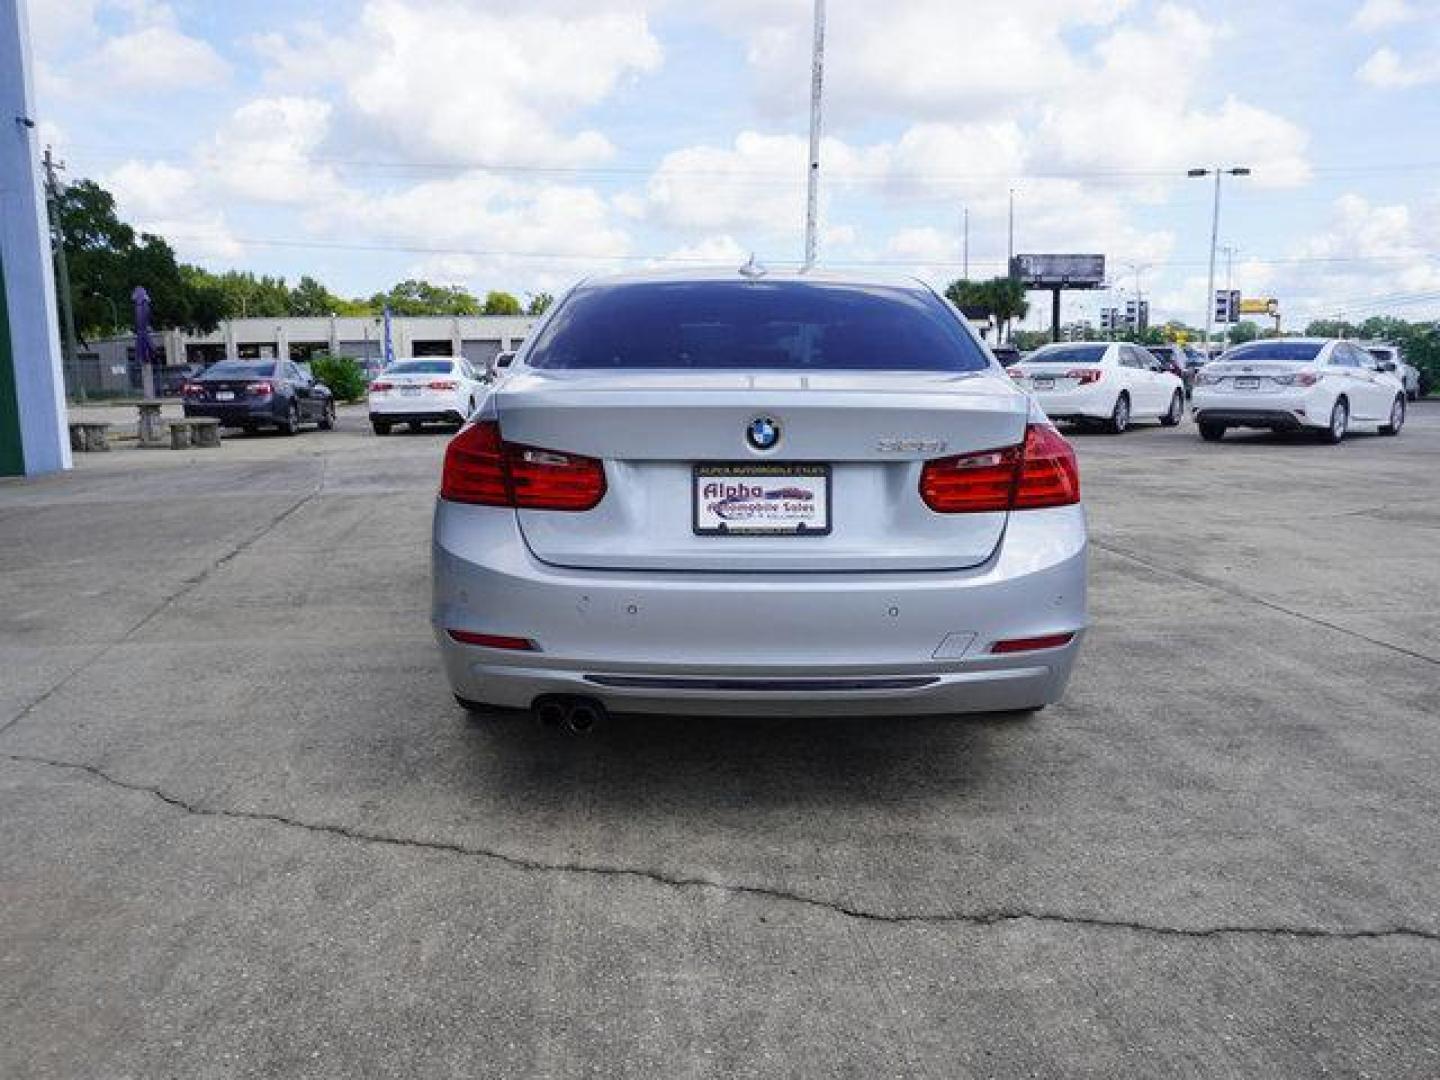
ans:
x=1382 y=354
x=1068 y=354
x=1276 y=352
x=241 y=369
x=420 y=367
x=748 y=325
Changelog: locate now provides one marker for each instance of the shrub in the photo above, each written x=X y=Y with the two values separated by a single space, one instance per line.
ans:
x=342 y=374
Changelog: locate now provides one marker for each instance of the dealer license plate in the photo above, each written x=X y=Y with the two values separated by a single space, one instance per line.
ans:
x=410 y=391
x=1247 y=384
x=783 y=499
x=224 y=395
x=1045 y=383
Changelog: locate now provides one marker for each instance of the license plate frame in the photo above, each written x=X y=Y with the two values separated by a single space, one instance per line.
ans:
x=768 y=473
x=224 y=395
x=1043 y=382
x=1247 y=382
x=411 y=391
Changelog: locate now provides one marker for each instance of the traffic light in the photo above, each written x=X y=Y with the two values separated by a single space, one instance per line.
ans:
x=1108 y=318
x=1132 y=313
x=1227 y=305
x=1144 y=315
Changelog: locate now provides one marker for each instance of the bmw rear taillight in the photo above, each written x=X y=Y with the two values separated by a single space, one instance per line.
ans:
x=483 y=469
x=379 y=387
x=1040 y=472
x=1085 y=376
x=259 y=389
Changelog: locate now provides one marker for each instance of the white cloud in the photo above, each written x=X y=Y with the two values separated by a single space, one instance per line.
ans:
x=266 y=151
x=723 y=250
x=170 y=201
x=1376 y=15
x=1387 y=70
x=474 y=82
x=157 y=58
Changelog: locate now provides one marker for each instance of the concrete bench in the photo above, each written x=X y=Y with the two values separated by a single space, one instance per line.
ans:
x=89 y=436
x=200 y=431
x=151 y=428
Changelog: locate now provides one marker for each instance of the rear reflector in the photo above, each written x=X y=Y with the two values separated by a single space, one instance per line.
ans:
x=483 y=469
x=1085 y=376
x=1032 y=644
x=1039 y=472
x=493 y=641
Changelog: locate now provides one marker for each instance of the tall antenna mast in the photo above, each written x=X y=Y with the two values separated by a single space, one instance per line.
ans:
x=817 y=80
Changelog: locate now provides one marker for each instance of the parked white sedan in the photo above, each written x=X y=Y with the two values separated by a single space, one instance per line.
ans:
x=417 y=390
x=1296 y=384
x=1095 y=381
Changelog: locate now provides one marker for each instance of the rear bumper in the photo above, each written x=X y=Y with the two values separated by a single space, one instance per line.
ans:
x=762 y=644
x=1091 y=403
x=1275 y=419
x=445 y=416
x=235 y=413
x=1282 y=410
x=398 y=408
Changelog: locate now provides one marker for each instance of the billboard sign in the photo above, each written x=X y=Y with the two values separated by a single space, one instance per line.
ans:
x=1059 y=271
x=1269 y=307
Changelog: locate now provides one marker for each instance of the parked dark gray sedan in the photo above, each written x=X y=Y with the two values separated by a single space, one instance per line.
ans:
x=250 y=394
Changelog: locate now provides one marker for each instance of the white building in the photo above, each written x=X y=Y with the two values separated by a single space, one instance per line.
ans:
x=109 y=365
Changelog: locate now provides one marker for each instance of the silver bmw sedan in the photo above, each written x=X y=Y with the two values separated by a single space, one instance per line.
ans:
x=777 y=493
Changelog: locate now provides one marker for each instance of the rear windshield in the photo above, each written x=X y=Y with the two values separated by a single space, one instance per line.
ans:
x=1382 y=353
x=1068 y=354
x=241 y=369
x=420 y=367
x=773 y=326
x=1276 y=352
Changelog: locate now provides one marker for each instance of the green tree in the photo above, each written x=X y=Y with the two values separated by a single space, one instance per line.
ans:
x=414 y=297
x=310 y=298
x=108 y=259
x=501 y=303
x=342 y=374
x=1001 y=299
x=1243 y=331
x=539 y=303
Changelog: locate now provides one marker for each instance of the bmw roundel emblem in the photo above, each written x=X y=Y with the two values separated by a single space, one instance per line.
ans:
x=763 y=432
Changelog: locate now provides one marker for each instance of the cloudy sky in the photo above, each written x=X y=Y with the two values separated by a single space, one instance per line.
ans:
x=523 y=145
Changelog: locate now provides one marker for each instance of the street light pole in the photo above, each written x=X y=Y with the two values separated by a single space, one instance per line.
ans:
x=812 y=187
x=965 y=246
x=1229 y=250
x=1010 y=246
x=1214 y=240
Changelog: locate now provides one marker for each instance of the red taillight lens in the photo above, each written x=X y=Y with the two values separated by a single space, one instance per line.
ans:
x=1050 y=475
x=971 y=483
x=1040 y=472
x=259 y=389
x=493 y=641
x=442 y=384
x=379 y=387
x=1031 y=644
x=1085 y=376
x=481 y=468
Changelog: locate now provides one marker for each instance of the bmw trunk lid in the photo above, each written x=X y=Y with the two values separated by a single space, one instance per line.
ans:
x=663 y=435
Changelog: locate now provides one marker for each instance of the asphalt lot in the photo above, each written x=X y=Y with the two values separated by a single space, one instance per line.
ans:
x=247 y=833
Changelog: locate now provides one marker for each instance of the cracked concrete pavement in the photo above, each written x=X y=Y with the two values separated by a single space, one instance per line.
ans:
x=246 y=833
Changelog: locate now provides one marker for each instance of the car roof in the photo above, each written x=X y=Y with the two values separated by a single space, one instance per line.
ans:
x=789 y=275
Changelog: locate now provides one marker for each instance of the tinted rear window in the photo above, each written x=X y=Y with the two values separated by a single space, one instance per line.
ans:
x=419 y=367
x=1276 y=352
x=773 y=326
x=1068 y=354
x=241 y=369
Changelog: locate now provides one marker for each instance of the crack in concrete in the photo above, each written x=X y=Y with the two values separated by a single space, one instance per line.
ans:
x=187 y=586
x=1242 y=594
x=993 y=917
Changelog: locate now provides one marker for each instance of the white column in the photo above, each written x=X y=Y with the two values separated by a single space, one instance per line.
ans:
x=30 y=359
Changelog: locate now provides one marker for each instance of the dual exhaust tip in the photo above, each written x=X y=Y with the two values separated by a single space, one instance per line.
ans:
x=578 y=715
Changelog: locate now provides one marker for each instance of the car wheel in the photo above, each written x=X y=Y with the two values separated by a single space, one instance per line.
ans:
x=327 y=417
x=1397 y=417
x=1211 y=432
x=1120 y=417
x=1177 y=411
x=380 y=426
x=291 y=424
x=1339 y=422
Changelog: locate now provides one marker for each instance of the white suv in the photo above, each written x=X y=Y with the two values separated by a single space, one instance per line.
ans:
x=1294 y=384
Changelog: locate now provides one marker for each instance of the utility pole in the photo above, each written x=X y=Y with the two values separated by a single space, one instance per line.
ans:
x=817 y=81
x=965 y=247
x=62 y=269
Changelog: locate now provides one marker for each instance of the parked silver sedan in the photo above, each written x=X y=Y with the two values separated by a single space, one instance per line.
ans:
x=758 y=493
